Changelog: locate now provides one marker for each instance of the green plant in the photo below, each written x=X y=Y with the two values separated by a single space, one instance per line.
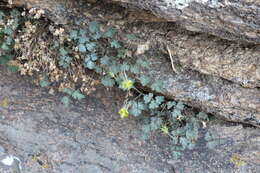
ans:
x=44 y=82
x=9 y=22
x=65 y=59
x=100 y=51
x=75 y=94
x=103 y=53
x=213 y=141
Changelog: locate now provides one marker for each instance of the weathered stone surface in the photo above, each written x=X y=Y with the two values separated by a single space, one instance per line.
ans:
x=229 y=19
x=89 y=137
x=213 y=56
x=212 y=94
x=56 y=10
x=238 y=154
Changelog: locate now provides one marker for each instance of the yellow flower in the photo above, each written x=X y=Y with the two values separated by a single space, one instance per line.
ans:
x=165 y=129
x=123 y=112
x=127 y=84
x=237 y=161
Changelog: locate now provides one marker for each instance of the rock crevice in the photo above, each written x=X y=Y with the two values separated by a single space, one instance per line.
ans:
x=218 y=76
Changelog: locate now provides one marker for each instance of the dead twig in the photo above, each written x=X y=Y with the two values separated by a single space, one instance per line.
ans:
x=170 y=55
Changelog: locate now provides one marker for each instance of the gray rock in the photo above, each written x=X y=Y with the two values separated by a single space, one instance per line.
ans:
x=233 y=20
x=86 y=137
x=90 y=136
x=238 y=154
x=212 y=94
x=216 y=57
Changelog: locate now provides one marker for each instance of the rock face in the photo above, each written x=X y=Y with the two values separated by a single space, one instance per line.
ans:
x=212 y=94
x=229 y=19
x=89 y=137
x=218 y=76
x=213 y=56
x=53 y=9
x=238 y=154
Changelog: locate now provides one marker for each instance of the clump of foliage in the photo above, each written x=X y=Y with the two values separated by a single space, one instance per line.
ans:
x=99 y=50
x=213 y=140
x=75 y=94
x=169 y=118
x=9 y=22
x=107 y=56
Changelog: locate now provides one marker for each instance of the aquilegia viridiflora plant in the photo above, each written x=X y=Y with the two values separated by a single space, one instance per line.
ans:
x=107 y=56
x=101 y=51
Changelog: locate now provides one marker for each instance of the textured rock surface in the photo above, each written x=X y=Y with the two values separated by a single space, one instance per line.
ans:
x=89 y=137
x=229 y=19
x=54 y=9
x=212 y=94
x=213 y=56
x=84 y=138
x=238 y=154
